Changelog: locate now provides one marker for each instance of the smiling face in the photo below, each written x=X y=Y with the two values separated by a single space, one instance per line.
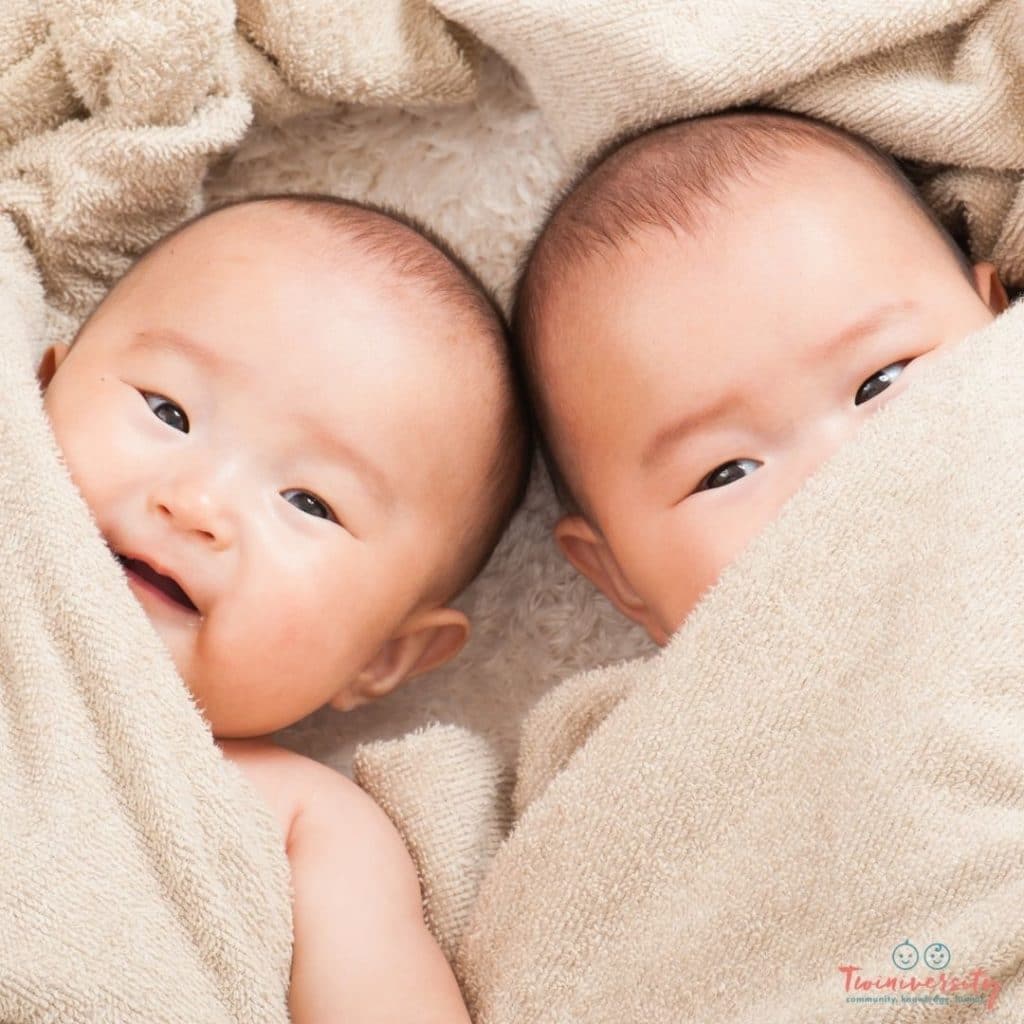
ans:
x=937 y=956
x=904 y=956
x=278 y=436
x=698 y=380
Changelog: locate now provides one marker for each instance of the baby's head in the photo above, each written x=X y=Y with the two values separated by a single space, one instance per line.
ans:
x=296 y=418
x=706 y=317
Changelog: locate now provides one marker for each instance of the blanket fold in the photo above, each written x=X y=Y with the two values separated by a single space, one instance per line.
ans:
x=832 y=749
x=442 y=765
x=827 y=761
x=111 y=111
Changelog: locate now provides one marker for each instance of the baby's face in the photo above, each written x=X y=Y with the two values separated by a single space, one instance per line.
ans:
x=278 y=437
x=698 y=381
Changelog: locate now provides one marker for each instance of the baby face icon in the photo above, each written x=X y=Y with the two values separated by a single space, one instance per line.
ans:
x=937 y=956
x=904 y=956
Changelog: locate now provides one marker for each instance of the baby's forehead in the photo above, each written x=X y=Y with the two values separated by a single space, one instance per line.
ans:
x=602 y=243
x=257 y=258
x=272 y=305
x=278 y=236
x=694 y=177
x=775 y=263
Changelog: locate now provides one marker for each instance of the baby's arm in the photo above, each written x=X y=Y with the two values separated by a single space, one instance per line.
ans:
x=362 y=952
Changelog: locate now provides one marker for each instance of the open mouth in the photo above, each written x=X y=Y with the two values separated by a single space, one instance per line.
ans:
x=157 y=581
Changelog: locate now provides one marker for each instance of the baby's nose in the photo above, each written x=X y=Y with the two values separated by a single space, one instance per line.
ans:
x=831 y=433
x=197 y=503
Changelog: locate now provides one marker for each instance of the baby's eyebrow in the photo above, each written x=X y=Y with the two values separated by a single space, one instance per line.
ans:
x=337 y=449
x=167 y=338
x=672 y=433
x=870 y=323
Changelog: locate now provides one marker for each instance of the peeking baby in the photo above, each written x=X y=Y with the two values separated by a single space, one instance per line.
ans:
x=295 y=425
x=714 y=308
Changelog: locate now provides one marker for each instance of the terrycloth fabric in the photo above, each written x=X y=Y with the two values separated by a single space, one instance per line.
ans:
x=933 y=81
x=141 y=878
x=825 y=763
x=449 y=766
x=112 y=110
x=110 y=113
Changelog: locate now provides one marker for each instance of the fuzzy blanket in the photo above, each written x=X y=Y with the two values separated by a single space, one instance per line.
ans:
x=112 y=112
x=824 y=768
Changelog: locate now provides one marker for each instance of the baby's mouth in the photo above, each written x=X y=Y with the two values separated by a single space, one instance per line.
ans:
x=167 y=586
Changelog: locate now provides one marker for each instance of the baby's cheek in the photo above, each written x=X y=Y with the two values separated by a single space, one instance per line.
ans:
x=704 y=542
x=331 y=606
x=94 y=477
x=97 y=454
x=301 y=602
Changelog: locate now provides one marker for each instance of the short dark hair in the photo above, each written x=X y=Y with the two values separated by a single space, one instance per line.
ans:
x=423 y=261
x=668 y=177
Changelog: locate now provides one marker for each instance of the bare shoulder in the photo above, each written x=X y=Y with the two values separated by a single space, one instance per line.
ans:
x=286 y=776
x=269 y=769
x=362 y=949
x=314 y=803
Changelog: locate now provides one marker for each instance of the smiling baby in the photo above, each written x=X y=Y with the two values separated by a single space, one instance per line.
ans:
x=294 y=423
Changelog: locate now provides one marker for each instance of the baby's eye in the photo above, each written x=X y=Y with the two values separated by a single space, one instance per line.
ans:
x=878 y=382
x=728 y=472
x=164 y=409
x=309 y=503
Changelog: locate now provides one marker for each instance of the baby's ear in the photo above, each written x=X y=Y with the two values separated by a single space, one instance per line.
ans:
x=990 y=288
x=588 y=552
x=425 y=642
x=52 y=358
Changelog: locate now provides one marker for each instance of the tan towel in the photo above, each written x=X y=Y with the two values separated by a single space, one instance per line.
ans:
x=111 y=111
x=937 y=82
x=141 y=879
x=827 y=761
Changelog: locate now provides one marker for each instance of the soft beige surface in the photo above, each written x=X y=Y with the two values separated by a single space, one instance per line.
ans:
x=111 y=113
x=412 y=777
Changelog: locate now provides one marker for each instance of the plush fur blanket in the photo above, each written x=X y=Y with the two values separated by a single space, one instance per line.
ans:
x=112 y=113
